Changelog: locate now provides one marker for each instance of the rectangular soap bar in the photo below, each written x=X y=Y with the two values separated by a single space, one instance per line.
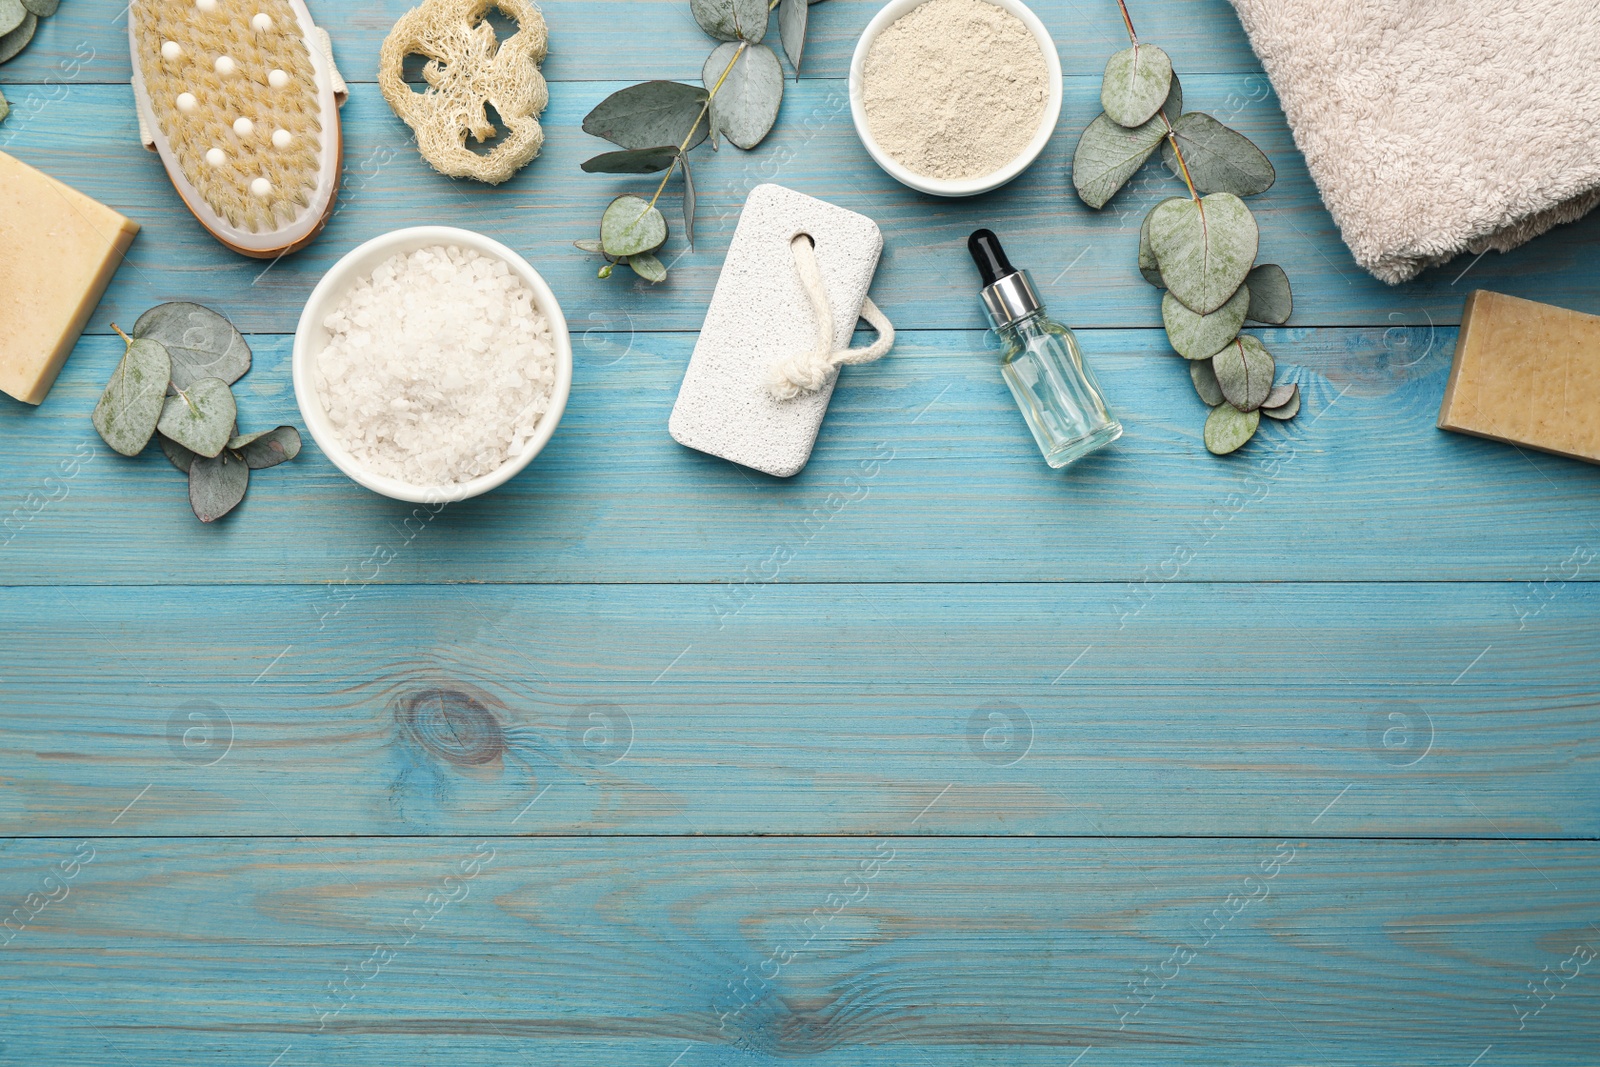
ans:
x=58 y=251
x=1526 y=373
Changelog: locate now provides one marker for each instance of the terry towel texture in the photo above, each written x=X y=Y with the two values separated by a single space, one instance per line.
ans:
x=1436 y=127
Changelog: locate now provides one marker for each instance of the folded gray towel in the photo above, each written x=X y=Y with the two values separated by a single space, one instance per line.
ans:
x=1436 y=127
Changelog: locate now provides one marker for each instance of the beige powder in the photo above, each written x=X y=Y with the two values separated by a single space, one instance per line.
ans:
x=955 y=88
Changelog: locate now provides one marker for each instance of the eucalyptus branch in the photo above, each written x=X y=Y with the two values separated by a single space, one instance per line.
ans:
x=659 y=122
x=198 y=355
x=704 y=109
x=1200 y=250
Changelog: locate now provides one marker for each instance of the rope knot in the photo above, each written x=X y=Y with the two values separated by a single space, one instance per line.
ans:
x=806 y=372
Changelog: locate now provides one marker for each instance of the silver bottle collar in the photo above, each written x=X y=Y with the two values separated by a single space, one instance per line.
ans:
x=1011 y=299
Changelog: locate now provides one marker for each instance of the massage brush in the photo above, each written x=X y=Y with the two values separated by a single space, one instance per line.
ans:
x=239 y=99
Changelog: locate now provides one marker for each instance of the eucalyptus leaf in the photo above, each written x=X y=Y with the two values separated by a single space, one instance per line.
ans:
x=5 y=108
x=244 y=440
x=590 y=244
x=1220 y=160
x=688 y=202
x=127 y=412
x=1271 y=300
x=632 y=161
x=1228 y=428
x=1280 y=395
x=1108 y=155
x=731 y=20
x=181 y=457
x=1204 y=249
x=1205 y=382
x=43 y=8
x=746 y=106
x=1244 y=371
x=200 y=417
x=1203 y=336
x=1174 y=104
x=201 y=342
x=648 y=267
x=630 y=226
x=1135 y=84
x=216 y=485
x=1147 y=257
x=11 y=15
x=18 y=39
x=792 y=30
x=649 y=114
x=1283 y=403
x=266 y=448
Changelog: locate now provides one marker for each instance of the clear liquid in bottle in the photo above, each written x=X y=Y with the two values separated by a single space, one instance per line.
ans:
x=1056 y=391
x=1041 y=362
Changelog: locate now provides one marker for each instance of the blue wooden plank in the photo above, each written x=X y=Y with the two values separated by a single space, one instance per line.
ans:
x=830 y=709
x=863 y=953
x=1361 y=629
x=1361 y=487
x=603 y=40
x=1084 y=260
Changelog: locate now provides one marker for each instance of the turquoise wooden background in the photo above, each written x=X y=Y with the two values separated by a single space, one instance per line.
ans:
x=929 y=755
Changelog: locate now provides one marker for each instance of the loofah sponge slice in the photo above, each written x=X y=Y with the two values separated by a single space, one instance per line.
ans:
x=240 y=104
x=466 y=71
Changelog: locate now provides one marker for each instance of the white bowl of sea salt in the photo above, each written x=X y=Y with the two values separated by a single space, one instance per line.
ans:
x=956 y=98
x=432 y=364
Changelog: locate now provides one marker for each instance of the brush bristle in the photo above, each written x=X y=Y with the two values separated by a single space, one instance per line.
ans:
x=233 y=188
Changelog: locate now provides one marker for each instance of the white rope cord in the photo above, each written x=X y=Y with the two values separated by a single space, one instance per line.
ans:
x=806 y=372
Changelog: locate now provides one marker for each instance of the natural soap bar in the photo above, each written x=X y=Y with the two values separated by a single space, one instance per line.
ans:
x=1526 y=373
x=58 y=251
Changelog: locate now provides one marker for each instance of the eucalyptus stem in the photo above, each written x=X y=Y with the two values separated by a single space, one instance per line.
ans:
x=1128 y=22
x=122 y=335
x=1172 y=139
x=704 y=109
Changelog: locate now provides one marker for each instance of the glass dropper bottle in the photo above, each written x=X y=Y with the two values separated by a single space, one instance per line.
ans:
x=1041 y=362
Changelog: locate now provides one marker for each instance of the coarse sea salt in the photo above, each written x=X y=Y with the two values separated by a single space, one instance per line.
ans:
x=439 y=367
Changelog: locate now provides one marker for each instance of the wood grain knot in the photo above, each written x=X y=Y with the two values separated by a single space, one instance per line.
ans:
x=789 y=1026
x=452 y=725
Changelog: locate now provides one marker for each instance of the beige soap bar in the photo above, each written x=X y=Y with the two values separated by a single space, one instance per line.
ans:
x=1526 y=373
x=58 y=251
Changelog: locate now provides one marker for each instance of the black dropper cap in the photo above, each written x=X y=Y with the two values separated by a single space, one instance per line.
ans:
x=1008 y=295
x=991 y=259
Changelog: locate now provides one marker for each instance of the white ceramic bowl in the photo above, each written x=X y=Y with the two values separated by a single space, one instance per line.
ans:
x=964 y=186
x=311 y=337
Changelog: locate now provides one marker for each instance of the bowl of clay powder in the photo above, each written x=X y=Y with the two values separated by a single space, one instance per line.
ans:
x=432 y=364
x=955 y=97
